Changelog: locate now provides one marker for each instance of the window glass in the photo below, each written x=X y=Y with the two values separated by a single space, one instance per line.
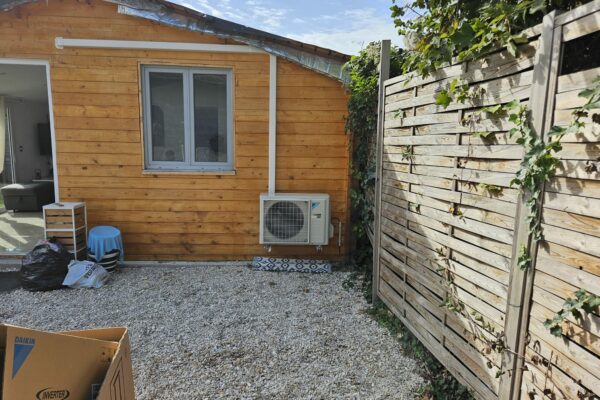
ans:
x=187 y=118
x=210 y=117
x=167 y=116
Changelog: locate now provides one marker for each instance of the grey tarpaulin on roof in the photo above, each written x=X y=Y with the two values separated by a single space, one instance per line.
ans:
x=322 y=60
x=158 y=11
x=6 y=5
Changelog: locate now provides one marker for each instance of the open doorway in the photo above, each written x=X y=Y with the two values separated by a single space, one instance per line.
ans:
x=27 y=175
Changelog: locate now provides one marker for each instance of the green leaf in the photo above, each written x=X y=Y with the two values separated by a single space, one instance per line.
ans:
x=537 y=5
x=481 y=134
x=557 y=130
x=492 y=109
x=593 y=105
x=512 y=48
x=520 y=38
x=587 y=93
x=587 y=307
x=453 y=85
x=513 y=105
x=556 y=330
x=443 y=99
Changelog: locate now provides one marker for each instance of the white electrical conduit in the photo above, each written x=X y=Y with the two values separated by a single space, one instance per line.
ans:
x=272 y=121
x=60 y=43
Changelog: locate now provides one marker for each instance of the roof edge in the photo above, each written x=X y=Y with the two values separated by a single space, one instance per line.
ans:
x=319 y=59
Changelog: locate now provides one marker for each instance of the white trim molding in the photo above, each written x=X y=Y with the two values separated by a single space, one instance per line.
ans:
x=61 y=43
x=44 y=63
x=272 y=121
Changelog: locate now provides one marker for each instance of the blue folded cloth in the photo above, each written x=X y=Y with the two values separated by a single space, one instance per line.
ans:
x=103 y=239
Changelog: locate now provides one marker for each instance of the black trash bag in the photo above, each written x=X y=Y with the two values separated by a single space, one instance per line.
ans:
x=45 y=267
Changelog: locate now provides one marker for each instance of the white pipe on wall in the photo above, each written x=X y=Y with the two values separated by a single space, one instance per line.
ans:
x=148 y=45
x=2 y=133
x=272 y=121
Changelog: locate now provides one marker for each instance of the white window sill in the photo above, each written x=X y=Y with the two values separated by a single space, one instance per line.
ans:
x=186 y=172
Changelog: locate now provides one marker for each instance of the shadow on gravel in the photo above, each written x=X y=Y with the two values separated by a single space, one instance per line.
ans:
x=9 y=281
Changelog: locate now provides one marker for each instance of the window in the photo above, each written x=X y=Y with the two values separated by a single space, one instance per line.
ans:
x=188 y=118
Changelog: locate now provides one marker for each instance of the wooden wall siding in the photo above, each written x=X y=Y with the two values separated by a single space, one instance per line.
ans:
x=436 y=215
x=180 y=215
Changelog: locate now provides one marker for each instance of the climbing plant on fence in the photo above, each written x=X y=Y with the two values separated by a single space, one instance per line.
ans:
x=439 y=33
x=442 y=33
x=362 y=124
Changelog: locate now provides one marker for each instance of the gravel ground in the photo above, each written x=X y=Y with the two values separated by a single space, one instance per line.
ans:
x=229 y=332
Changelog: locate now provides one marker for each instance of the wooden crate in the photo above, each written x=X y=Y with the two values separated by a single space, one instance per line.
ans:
x=67 y=222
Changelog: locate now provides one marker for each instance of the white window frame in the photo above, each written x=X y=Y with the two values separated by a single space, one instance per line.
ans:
x=189 y=163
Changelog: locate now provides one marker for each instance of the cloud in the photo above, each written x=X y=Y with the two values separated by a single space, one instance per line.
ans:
x=360 y=27
x=254 y=14
x=223 y=10
x=268 y=16
x=346 y=31
x=327 y=17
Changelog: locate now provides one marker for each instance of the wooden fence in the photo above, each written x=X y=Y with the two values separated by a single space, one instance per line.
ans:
x=448 y=226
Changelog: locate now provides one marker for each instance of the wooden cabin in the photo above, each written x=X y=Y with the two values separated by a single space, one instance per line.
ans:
x=170 y=124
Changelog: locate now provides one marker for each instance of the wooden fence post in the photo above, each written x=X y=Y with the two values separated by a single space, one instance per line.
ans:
x=384 y=74
x=521 y=282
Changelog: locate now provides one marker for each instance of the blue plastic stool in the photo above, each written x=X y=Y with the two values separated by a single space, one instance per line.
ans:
x=104 y=239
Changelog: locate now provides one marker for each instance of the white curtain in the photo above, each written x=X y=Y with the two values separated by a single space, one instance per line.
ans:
x=2 y=133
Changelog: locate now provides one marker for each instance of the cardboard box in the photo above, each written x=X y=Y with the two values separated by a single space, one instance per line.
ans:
x=74 y=365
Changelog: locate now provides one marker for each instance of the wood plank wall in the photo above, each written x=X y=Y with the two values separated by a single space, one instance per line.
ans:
x=179 y=215
x=438 y=216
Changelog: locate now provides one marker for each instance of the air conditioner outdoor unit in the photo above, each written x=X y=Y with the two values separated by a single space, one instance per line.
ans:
x=291 y=218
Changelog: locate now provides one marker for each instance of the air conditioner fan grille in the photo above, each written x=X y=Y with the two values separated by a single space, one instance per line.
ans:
x=285 y=220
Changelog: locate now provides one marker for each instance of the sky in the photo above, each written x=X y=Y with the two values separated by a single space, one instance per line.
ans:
x=345 y=26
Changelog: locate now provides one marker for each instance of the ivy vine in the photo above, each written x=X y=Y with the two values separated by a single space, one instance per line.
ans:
x=362 y=124
x=482 y=329
x=540 y=159
x=582 y=301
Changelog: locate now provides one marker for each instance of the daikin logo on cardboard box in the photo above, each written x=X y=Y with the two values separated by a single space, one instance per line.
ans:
x=23 y=346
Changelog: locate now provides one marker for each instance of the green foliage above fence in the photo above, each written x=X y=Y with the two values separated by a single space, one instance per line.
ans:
x=362 y=123
x=437 y=31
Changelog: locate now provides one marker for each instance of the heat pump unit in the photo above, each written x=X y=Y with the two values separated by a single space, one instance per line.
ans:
x=290 y=218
